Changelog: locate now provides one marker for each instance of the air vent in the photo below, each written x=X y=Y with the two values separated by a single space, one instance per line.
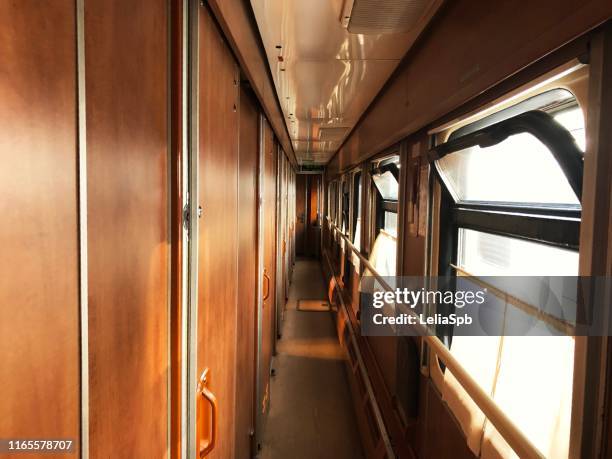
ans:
x=332 y=133
x=373 y=17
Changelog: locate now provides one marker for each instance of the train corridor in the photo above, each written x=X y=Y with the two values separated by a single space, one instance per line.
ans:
x=311 y=414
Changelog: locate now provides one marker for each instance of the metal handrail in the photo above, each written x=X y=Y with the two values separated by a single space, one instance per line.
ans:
x=366 y=378
x=517 y=440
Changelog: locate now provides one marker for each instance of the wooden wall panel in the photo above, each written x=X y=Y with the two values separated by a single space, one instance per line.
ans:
x=218 y=238
x=127 y=142
x=471 y=46
x=301 y=190
x=441 y=436
x=247 y=272
x=39 y=290
x=236 y=19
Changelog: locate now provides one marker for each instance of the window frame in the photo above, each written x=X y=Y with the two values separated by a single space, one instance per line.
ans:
x=379 y=205
x=558 y=226
x=356 y=179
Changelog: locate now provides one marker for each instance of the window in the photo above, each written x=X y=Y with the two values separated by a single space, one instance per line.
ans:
x=338 y=220
x=385 y=177
x=521 y=170
x=511 y=207
x=346 y=206
x=356 y=227
x=331 y=207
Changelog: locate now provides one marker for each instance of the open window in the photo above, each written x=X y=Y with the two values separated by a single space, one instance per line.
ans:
x=385 y=178
x=331 y=201
x=510 y=205
x=356 y=223
x=346 y=205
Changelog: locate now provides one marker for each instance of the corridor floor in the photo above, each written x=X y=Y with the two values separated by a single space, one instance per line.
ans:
x=311 y=413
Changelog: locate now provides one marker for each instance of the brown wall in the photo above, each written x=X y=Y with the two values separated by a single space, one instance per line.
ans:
x=39 y=287
x=235 y=18
x=127 y=139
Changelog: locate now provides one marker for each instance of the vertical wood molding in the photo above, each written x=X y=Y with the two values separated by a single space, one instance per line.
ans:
x=591 y=355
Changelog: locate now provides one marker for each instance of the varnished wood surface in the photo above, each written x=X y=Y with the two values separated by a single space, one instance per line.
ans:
x=235 y=17
x=458 y=58
x=39 y=287
x=218 y=238
x=300 y=213
x=269 y=263
x=439 y=434
x=590 y=435
x=178 y=156
x=313 y=231
x=247 y=272
x=127 y=143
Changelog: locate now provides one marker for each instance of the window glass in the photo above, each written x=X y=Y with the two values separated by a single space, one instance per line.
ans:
x=530 y=377
x=485 y=254
x=346 y=199
x=384 y=253
x=519 y=170
x=357 y=212
x=572 y=119
x=387 y=185
x=391 y=223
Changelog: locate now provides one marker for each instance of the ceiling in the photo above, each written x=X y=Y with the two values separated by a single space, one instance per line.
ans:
x=326 y=77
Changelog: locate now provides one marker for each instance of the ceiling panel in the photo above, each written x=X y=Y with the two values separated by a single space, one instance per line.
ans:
x=325 y=76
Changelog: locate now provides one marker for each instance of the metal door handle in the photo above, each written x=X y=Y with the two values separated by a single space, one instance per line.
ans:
x=266 y=285
x=206 y=448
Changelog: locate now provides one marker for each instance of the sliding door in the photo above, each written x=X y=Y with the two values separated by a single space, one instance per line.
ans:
x=217 y=256
x=247 y=272
x=267 y=248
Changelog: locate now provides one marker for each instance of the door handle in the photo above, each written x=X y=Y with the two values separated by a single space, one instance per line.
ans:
x=207 y=395
x=266 y=285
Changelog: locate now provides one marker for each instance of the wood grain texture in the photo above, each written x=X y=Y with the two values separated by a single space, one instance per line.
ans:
x=269 y=263
x=177 y=163
x=301 y=187
x=313 y=231
x=127 y=142
x=441 y=435
x=218 y=228
x=454 y=62
x=235 y=18
x=247 y=272
x=39 y=288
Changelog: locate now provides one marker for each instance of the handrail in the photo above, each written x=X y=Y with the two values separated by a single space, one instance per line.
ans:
x=366 y=378
x=560 y=325
x=517 y=440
